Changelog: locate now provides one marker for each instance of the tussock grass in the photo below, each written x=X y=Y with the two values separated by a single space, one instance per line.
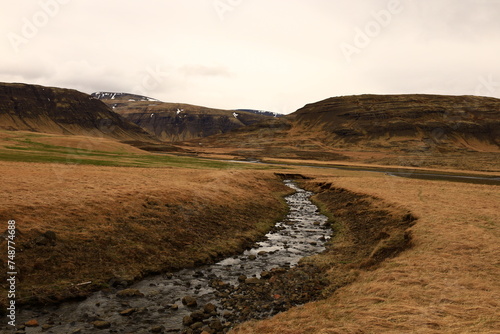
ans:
x=447 y=282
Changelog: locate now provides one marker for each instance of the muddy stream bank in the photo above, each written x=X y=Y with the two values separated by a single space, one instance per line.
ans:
x=258 y=283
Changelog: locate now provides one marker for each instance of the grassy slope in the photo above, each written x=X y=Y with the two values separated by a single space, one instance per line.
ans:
x=23 y=146
x=446 y=283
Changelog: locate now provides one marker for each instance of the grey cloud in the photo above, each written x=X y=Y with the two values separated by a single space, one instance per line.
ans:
x=265 y=53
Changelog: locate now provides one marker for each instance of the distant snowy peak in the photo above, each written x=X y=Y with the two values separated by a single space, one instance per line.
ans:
x=122 y=96
x=262 y=112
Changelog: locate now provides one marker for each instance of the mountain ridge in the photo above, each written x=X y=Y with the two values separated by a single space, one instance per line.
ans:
x=114 y=95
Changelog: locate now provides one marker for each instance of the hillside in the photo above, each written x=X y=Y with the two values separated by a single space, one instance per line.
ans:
x=52 y=110
x=402 y=122
x=410 y=130
x=173 y=122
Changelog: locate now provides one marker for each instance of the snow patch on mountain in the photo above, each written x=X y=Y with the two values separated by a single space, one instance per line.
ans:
x=129 y=97
x=262 y=112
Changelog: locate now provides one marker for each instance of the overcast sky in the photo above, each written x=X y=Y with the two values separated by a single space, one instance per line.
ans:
x=273 y=55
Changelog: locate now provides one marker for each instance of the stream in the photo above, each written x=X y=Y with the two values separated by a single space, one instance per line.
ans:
x=192 y=300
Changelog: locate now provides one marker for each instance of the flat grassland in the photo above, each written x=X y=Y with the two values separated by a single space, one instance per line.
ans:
x=447 y=282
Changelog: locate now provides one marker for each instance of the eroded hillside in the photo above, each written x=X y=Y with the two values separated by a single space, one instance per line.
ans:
x=401 y=122
x=62 y=111
x=173 y=122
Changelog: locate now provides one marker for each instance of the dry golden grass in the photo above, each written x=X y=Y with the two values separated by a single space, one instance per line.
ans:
x=118 y=222
x=448 y=282
x=88 y=143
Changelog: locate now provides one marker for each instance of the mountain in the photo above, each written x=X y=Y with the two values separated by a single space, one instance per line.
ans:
x=262 y=112
x=413 y=130
x=174 y=122
x=62 y=111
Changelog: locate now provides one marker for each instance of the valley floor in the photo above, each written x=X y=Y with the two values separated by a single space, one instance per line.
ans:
x=117 y=224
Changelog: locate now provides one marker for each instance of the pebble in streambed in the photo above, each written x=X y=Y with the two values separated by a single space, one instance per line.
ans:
x=261 y=282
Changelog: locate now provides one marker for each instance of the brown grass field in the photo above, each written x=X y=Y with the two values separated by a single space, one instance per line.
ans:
x=447 y=282
x=389 y=273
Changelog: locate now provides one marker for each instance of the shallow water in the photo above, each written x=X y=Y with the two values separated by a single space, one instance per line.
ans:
x=301 y=233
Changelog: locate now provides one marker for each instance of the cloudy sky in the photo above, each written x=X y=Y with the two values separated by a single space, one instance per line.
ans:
x=273 y=55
